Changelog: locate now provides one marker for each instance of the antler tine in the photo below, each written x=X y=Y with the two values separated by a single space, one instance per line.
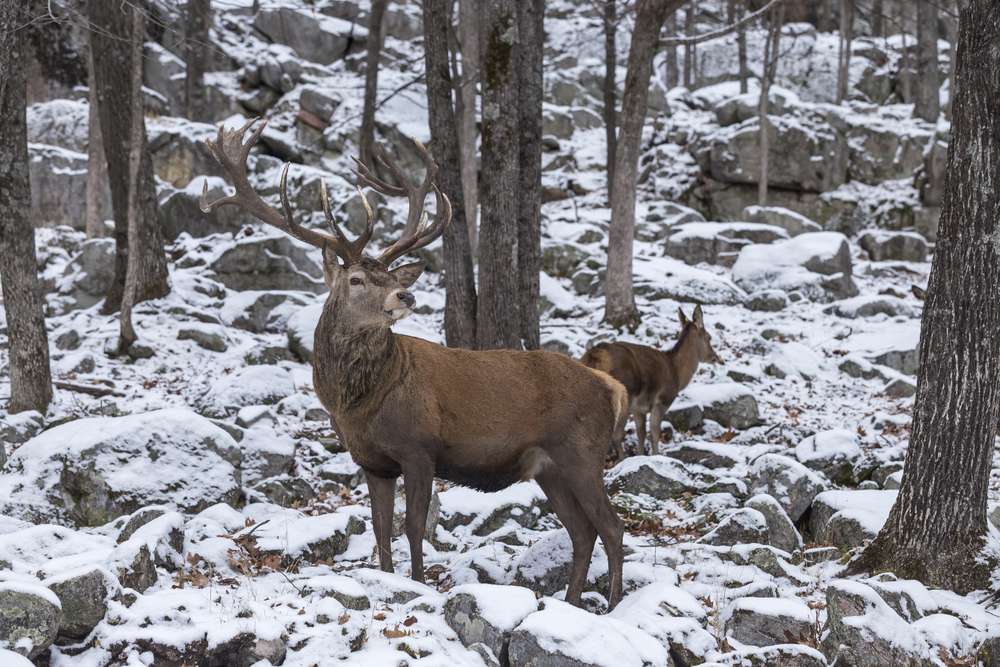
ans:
x=367 y=178
x=424 y=235
x=415 y=195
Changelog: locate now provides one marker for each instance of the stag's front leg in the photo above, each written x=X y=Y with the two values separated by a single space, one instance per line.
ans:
x=382 y=493
x=418 y=480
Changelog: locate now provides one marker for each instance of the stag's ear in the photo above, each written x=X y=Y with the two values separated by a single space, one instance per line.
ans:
x=331 y=266
x=698 y=317
x=682 y=317
x=407 y=274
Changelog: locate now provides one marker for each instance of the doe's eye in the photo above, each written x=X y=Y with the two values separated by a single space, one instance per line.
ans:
x=357 y=281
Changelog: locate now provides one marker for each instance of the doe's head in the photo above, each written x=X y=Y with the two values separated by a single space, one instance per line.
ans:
x=702 y=338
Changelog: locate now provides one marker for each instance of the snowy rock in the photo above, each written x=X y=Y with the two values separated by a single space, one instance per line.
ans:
x=880 y=152
x=870 y=305
x=669 y=278
x=91 y=273
x=790 y=483
x=729 y=403
x=483 y=513
x=83 y=596
x=882 y=245
x=744 y=526
x=708 y=454
x=100 y=468
x=160 y=534
x=717 y=242
x=301 y=331
x=816 y=264
x=268 y=263
x=20 y=427
x=544 y=566
x=763 y=622
x=782 y=655
x=179 y=211
x=62 y=123
x=900 y=388
x=744 y=107
x=430 y=521
x=671 y=615
x=781 y=532
x=486 y=614
x=931 y=181
x=316 y=539
x=792 y=222
x=660 y=221
x=793 y=359
x=831 y=452
x=29 y=618
x=11 y=659
x=567 y=636
x=252 y=385
x=207 y=336
x=312 y=36
x=657 y=476
x=261 y=312
x=860 y=515
x=286 y=491
x=345 y=590
x=767 y=301
x=59 y=187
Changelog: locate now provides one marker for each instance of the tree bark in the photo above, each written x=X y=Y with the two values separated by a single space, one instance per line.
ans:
x=530 y=51
x=374 y=46
x=936 y=529
x=928 y=103
x=878 y=20
x=844 y=57
x=97 y=167
x=109 y=44
x=610 y=25
x=459 y=279
x=673 y=78
x=741 y=45
x=498 y=318
x=689 y=53
x=951 y=27
x=906 y=78
x=199 y=20
x=769 y=69
x=30 y=378
x=619 y=297
x=468 y=38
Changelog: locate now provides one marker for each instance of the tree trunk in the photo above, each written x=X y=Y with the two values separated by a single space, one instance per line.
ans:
x=844 y=57
x=928 y=103
x=374 y=45
x=127 y=335
x=619 y=298
x=906 y=78
x=673 y=78
x=199 y=19
x=109 y=44
x=530 y=51
x=769 y=69
x=610 y=87
x=878 y=20
x=689 y=53
x=97 y=167
x=498 y=318
x=936 y=529
x=741 y=45
x=951 y=26
x=30 y=379
x=468 y=38
x=459 y=279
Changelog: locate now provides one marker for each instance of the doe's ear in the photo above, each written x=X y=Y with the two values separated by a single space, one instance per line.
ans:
x=407 y=274
x=699 y=318
x=682 y=317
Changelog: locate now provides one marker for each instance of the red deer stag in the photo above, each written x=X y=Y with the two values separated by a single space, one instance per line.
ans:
x=654 y=378
x=405 y=406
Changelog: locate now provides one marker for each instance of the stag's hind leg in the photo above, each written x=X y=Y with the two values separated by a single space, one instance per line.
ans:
x=581 y=533
x=590 y=495
x=382 y=492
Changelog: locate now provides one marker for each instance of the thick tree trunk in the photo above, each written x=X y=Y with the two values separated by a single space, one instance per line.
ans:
x=97 y=166
x=199 y=19
x=531 y=47
x=611 y=86
x=689 y=52
x=928 y=104
x=673 y=78
x=498 y=318
x=844 y=57
x=109 y=44
x=468 y=38
x=619 y=298
x=936 y=529
x=459 y=279
x=374 y=45
x=30 y=379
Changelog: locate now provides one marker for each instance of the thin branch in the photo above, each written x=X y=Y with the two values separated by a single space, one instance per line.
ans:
x=89 y=389
x=679 y=40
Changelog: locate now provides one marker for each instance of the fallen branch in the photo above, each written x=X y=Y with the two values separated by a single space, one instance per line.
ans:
x=89 y=389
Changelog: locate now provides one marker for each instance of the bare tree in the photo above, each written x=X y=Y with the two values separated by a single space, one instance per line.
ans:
x=927 y=105
x=672 y=78
x=610 y=28
x=109 y=44
x=30 y=378
x=498 y=319
x=619 y=304
x=465 y=101
x=878 y=19
x=374 y=46
x=199 y=19
x=689 y=52
x=736 y=16
x=459 y=279
x=530 y=51
x=906 y=75
x=97 y=167
x=937 y=527
x=769 y=68
x=844 y=55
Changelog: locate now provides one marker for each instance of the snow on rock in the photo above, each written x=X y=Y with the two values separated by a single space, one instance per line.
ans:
x=481 y=513
x=763 y=622
x=792 y=222
x=83 y=595
x=11 y=659
x=788 y=481
x=657 y=476
x=831 y=452
x=872 y=305
x=717 y=242
x=669 y=278
x=744 y=526
x=571 y=637
x=321 y=39
x=293 y=536
x=268 y=261
x=671 y=615
x=92 y=470
x=894 y=344
x=261 y=312
x=795 y=360
x=729 y=403
x=817 y=265
x=486 y=614
x=545 y=565
x=30 y=615
x=781 y=532
x=252 y=385
x=859 y=514
x=883 y=245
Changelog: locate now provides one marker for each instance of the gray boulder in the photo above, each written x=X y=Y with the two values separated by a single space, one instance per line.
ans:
x=744 y=526
x=272 y=262
x=59 y=187
x=884 y=245
x=179 y=211
x=89 y=275
x=320 y=39
x=767 y=301
x=83 y=596
x=790 y=483
x=29 y=618
x=486 y=614
x=792 y=222
x=262 y=312
x=817 y=265
x=717 y=242
x=763 y=622
x=781 y=532
x=251 y=385
x=728 y=403
x=879 y=152
x=657 y=476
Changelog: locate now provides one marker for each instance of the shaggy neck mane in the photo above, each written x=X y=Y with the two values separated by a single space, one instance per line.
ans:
x=355 y=363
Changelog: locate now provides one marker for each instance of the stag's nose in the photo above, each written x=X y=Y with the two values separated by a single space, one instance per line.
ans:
x=406 y=298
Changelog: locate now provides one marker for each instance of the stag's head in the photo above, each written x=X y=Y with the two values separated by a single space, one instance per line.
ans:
x=366 y=291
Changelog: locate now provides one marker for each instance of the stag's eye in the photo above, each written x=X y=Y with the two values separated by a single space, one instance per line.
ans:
x=357 y=281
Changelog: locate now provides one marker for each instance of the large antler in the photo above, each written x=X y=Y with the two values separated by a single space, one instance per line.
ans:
x=418 y=232
x=231 y=152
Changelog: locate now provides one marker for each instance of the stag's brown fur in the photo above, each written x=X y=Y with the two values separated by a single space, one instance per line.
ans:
x=405 y=406
x=652 y=377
